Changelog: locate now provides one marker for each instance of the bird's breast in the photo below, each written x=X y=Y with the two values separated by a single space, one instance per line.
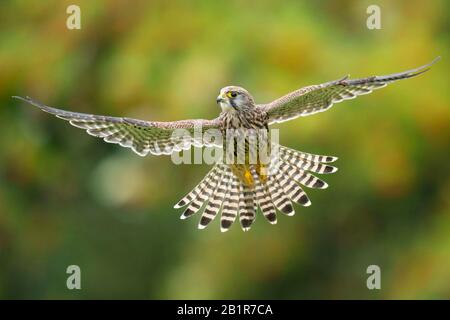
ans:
x=244 y=134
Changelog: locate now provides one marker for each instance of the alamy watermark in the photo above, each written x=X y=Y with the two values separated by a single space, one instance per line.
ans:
x=373 y=21
x=74 y=280
x=231 y=146
x=374 y=280
x=73 y=21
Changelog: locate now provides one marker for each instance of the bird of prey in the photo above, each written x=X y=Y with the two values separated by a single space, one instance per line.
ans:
x=238 y=190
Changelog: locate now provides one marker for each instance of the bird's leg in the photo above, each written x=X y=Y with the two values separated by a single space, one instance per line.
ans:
x=243 y=172
x=261 y=170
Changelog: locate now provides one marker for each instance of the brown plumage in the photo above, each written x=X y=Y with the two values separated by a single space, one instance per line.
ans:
x=238 y=189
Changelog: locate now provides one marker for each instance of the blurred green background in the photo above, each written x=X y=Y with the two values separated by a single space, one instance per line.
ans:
x=68 y=198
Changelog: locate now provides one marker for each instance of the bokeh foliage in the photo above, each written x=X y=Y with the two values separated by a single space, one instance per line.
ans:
x=67 y=198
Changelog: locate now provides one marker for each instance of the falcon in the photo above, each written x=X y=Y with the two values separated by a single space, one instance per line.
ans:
x=232 y=190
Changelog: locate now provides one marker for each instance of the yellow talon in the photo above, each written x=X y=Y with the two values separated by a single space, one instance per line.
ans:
x=262 y=172
x=248 y=177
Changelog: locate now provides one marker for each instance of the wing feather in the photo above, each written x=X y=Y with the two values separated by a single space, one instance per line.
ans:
x=143 y=137
x=318 y=98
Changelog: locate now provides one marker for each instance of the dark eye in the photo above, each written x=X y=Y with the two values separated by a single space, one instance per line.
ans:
x=233 y=94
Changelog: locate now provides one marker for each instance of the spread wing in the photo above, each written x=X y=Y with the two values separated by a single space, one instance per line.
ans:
x=143 y=137
x=318 y=98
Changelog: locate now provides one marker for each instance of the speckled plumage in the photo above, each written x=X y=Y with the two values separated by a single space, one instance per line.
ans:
x=237 y=190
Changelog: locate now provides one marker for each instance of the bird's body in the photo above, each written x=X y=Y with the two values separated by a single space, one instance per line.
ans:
x=244 y=124
x=240 y=186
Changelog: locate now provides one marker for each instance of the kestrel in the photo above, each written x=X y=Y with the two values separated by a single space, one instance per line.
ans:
x=231 y=189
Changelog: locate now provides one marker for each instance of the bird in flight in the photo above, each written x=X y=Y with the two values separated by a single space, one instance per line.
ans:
x=234 y=190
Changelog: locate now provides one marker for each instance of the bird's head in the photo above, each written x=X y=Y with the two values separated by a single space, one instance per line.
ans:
x=234 y=98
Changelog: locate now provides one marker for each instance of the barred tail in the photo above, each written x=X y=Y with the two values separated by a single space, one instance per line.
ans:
x=222 y=193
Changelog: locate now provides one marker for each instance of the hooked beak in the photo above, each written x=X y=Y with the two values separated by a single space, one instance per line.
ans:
x=220 y=99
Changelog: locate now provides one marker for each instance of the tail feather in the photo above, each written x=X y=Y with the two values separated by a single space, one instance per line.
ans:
x=222 y=192
x=197 y=190
x=263 y=199
x=307 y=165
x=291 y=188
x=303 y=177
x=308 y=156
x=215 y=203
x=246 y=207
x=230 y=206
x=203 y=197
x=279 y=197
